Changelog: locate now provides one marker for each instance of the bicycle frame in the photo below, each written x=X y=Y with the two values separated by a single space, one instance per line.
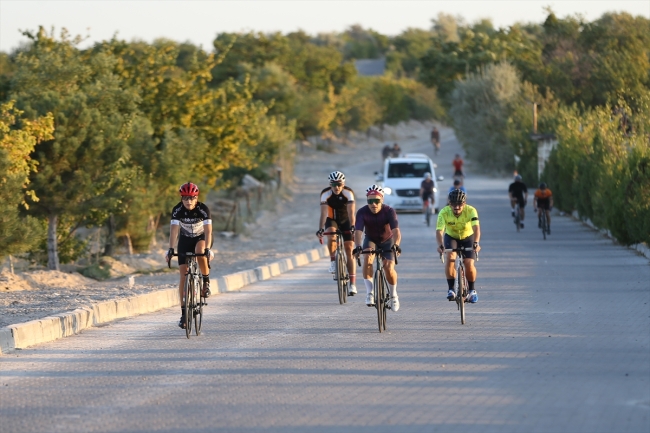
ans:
x=518 y=216
x=460 y=284
x=341 y=275
x=380 y=285
x=192 y=297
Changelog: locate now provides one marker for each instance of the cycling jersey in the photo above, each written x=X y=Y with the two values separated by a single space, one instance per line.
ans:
x=517 y=189
x=378 y=226
x=192 y=221
x=458 y=227
x=427 y=186
x=337 y=203
x=543 y=194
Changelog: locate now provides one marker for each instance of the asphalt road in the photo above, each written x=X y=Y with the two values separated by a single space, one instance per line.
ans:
x=559 y=341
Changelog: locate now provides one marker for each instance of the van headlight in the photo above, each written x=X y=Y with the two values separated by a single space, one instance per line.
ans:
x=388 y=191
x=435 y=189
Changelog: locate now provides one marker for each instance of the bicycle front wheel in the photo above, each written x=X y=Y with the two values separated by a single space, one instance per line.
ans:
x=189 y=303
x=379 y=299
x=197 y=306
x=462 y=294
x=544 y=224
x=340 y=282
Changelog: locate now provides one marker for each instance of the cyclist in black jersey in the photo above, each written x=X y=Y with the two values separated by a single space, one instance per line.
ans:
x=518 y=193
x=337 y=212
x=191 y=228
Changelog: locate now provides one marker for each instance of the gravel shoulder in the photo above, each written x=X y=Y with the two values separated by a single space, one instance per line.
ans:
x=287 y=230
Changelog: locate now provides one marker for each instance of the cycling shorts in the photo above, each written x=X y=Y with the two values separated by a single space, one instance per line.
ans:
x=543 y=204
x=386 y=246
x=468 y=242
x=427 y=196
x=458 y=173
x=187 y=245
x=343 y=225
x=521 y=201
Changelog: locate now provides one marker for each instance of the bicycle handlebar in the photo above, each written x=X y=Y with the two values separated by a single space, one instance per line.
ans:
x=337 y=232
x=376 y=252
x=169 y=262
x=453 y=250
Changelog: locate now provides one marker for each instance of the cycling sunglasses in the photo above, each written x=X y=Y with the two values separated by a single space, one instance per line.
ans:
x=336 y=183
x=374 y=200
x=188 y=198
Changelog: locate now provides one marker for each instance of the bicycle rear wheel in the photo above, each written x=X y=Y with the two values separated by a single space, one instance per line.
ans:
x=340 y=282
x=462 y=293
x=517 y=218
x=379 y=299
x=428 y=215
x=544 y=224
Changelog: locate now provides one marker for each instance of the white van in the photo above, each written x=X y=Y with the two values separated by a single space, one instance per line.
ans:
x=401 y=180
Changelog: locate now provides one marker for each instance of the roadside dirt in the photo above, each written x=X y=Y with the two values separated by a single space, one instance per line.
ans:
x=286 y=231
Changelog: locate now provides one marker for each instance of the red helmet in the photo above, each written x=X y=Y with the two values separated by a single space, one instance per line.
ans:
x=189 y=189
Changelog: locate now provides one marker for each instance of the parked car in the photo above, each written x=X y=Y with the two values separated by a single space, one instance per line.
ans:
x=401 y=179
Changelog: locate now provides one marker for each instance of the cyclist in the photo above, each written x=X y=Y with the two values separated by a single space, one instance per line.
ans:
x=191 y=227
x=518 y=193
x=461 y=229
x=543 y=202
x=458 y=185
x=337 y=212
x=395 y=151
x=435 y=139
x=426 y=192
x=458 y=167
x=379 y=222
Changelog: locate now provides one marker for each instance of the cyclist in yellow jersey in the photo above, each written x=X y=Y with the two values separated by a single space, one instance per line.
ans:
x=459 y=222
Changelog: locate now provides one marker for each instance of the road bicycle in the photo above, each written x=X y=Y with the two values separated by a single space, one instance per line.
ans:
x=460 y=283
x=436 y=147
x=380 y=289
x=428 y=211
x=518 y=217
x=341 y=274
x=543 y=222
x=194 y=300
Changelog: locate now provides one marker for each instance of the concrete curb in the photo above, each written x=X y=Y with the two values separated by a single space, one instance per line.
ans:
x=22 y=335
x=641 y=248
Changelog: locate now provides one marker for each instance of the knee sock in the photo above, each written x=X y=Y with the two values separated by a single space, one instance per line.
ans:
x=368 y=284
x=470 y=285
x=332 y=257
x=353 y=278
x=206 y=278
x=393 y=290
x=450 y=283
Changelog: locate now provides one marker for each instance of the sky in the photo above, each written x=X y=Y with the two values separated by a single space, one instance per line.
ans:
x=200 y=21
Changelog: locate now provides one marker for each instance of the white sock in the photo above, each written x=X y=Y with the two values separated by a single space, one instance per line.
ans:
x=368 y=285
x=393 y=290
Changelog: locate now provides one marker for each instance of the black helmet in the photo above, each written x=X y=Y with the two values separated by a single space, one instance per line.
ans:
x=542 y=185
x=457 y=196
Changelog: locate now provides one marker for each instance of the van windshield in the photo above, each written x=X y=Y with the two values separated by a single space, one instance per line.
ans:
x=408 y=169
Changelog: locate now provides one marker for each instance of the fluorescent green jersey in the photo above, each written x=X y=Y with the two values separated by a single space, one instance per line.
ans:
x=458 y=227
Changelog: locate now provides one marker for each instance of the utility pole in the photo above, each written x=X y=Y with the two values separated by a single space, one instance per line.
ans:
x=534 y=117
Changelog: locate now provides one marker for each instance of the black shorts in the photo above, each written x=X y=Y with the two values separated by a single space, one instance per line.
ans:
x=343 y=225
x=468 y=242
x=427 y=196
x=386 y=246
x=544 y=204
x=521 y=201
x=459 y=173
x=187 y=245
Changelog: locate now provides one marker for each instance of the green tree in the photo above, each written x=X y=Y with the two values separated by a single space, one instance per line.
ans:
x=18 y=136
x=82 y=170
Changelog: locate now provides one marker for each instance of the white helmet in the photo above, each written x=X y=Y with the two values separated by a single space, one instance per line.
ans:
x=427 y=175
x=375 y=190
x=336 y=176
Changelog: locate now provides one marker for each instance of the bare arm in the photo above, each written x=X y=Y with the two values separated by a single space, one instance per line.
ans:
x=174 y=231
x=439 y=241
x=397 y=235
x=477 y=236
x=323 y=215
x=207 y=229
